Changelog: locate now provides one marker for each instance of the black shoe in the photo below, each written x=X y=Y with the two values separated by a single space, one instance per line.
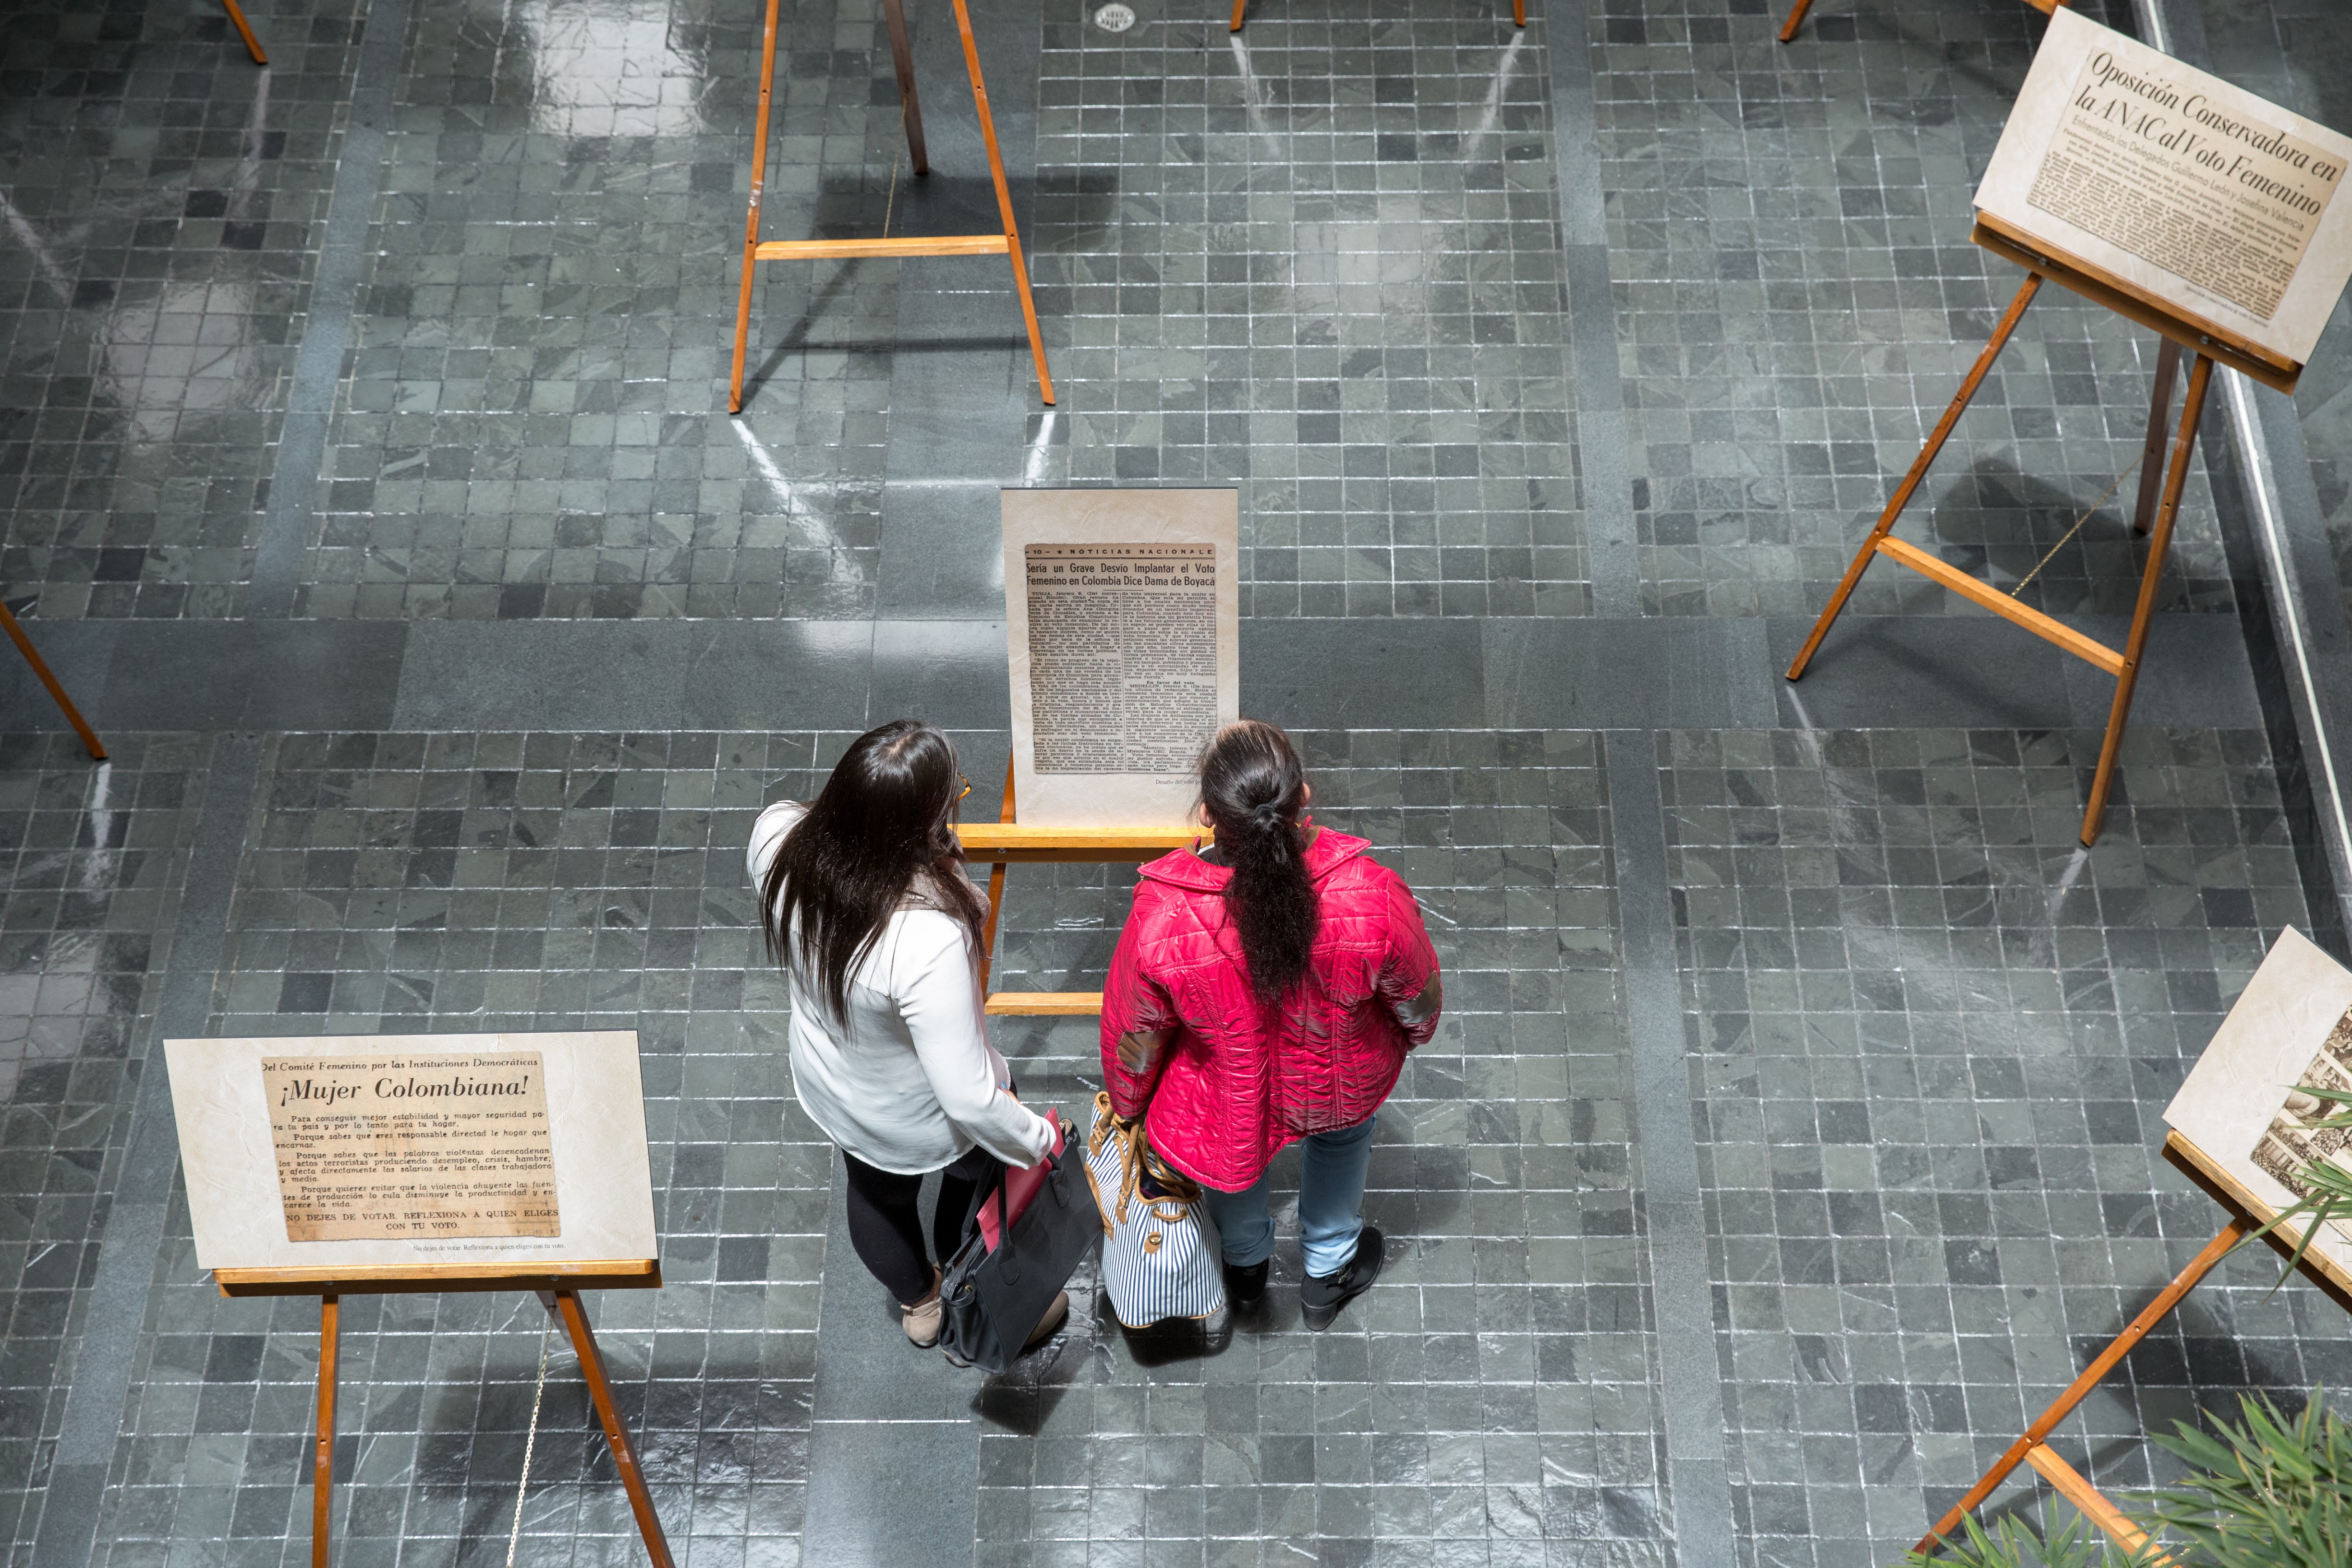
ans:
x=1246 y=1287
x=1320 y=1296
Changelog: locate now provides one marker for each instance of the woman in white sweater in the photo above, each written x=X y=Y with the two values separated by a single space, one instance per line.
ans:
x=864 y=902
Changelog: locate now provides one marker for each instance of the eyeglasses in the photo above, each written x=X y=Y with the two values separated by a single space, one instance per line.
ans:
x=967 y=786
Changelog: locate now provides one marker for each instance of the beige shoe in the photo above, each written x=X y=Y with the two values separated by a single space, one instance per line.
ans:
x=1050 y=1324
x=921 y=1320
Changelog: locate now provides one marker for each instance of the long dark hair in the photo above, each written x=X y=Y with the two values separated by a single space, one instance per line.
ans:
x=1253 y=788
x=879 y=829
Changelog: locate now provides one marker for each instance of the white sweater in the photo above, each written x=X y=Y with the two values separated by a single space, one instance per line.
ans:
x=908 y=1082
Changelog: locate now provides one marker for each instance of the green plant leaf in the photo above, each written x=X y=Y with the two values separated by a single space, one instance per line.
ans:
x=2012 y=1543
x=2268 y=1490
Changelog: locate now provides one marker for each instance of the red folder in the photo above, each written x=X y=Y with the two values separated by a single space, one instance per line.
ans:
x=1020 y=1186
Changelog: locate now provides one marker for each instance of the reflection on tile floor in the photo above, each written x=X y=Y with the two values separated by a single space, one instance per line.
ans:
x=1317 y=259
x=534 y=423
x=160 y=203
x=1320 y=259
x=94 y=856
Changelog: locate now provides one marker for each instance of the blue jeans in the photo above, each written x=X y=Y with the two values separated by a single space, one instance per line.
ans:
x=1330 y=1204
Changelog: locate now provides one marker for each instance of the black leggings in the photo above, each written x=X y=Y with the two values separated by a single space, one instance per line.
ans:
x=887 y=1228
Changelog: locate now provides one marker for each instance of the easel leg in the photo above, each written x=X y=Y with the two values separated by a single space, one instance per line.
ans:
x=323 y=1462
x=2076 y=1391
x=1518 y=13
x=995 y=888
x=902 y=57
x=1003 y=198
x=245 y=31
x=1902 y=492
x=625 y=1456
x=1796 y=20
x=41 y=668
x=2200 y=376
x=2151 y=458
x=1239 y=7
x=751 y=218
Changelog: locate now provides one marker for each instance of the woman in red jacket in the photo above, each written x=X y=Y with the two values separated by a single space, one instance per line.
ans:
x=1267 y=990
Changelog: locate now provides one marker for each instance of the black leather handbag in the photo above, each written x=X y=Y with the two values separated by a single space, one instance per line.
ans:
x=993 y=1297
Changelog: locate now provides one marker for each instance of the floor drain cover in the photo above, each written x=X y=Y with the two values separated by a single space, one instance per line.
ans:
x=1115 y=17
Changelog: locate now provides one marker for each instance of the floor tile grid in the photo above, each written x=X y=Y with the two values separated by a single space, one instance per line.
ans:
x=534 y=423
x=1497 y=1402
x=1798 y=303
x=163 y=198
x=95 y=856
x=441 y=883
x=1932 y=1041
x=1320 y=259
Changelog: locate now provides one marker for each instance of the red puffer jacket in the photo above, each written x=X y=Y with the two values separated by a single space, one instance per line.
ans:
x=1242 y=1077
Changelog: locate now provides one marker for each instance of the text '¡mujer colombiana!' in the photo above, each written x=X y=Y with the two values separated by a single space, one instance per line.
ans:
x=329 y=1094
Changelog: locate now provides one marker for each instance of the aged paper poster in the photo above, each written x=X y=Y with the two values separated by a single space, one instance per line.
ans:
x=2294 y=1140
x=370 y=1148
x=1123 y=628
x=2214 y=200
x=1122 y=655
x=337 y=1151
x=2243 y=1102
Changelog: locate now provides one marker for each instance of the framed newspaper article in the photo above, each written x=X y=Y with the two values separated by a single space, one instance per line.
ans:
x=1122 y=618
x=2194 y=194
x=2245 y=1102
x=329 y=1155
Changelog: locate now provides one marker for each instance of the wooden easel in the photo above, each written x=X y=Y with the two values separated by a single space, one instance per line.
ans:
x=1007 y=244
x=2207 y=345
x=1004 y=842
x=2247 y=1213
x=57 y=692
x=245 y=31
x=1797 y=16
x=1518 y=13
x=558 y=1288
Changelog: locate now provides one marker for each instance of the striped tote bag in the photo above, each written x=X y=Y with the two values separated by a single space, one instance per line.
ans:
x=1161 y=1258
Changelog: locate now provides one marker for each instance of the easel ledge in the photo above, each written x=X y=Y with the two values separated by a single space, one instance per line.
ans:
x=2247 y=1213
x=1006 y=842
x=2127 y=299
x=611 y=1274
x=2332 y=1280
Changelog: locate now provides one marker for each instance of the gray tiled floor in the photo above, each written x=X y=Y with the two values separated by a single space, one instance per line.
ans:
x=1319 y=260
x=162 y=201
x=95 y=860
x=1932 y=1037
x=534 y=423
x=1927 y=1041
x=1798 y=303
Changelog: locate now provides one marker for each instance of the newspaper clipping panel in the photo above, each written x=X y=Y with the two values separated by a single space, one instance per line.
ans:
x=2214 y=200
x=1122 y=627
x=1122 y=655
x=2247 y=1104
x=373 y=1148
x=336 y=1151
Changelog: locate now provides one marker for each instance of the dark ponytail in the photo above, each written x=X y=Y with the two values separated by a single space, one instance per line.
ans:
x=1253 y=787
x=881 y=828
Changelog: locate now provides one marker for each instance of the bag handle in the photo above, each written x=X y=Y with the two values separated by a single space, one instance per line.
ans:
x=1009 y=1265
